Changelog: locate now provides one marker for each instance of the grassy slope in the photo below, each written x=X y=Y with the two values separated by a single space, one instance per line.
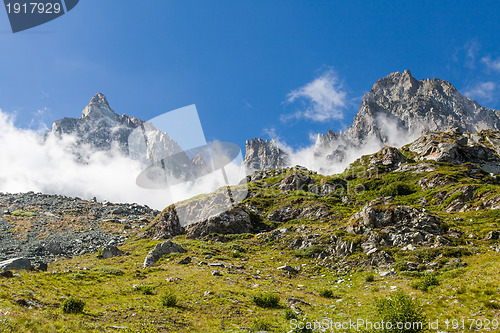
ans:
x=111 y=300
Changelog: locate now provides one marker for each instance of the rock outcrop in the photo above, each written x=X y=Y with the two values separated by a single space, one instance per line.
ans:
x=263 y=154
x=388 y=224
x=456 y=147
x=397 y=110
x=160 y=250
x=235 y=221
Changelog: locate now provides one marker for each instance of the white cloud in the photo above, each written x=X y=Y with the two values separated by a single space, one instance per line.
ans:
x=32 y=162
x=482 y=90
x=492 y=64
x=323 y=97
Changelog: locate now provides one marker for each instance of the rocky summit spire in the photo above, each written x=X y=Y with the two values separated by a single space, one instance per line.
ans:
x=98 y=107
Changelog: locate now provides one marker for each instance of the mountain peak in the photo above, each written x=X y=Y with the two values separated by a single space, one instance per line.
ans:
x=98 y=107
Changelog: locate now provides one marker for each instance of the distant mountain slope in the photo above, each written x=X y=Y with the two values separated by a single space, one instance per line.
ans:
x=397 y=109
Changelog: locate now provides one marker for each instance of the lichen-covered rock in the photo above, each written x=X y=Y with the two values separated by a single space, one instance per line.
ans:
x=235 y=221
x=387 y=224
x=160 y=250
x=388 y=157
x=456 y=147
x=295 y=182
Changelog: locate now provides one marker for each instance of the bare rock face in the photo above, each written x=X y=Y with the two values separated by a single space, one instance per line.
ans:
x=399 y=108
x=392 y=225
x=235 y=221
x=167 y=225
x=389 y=157
x=160 y=250
x=456 y=147
x=296 y=182
x=263 y=154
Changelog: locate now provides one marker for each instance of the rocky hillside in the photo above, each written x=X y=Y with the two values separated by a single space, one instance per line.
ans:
x=421 y=219
x=397 y=109
x=45 y=227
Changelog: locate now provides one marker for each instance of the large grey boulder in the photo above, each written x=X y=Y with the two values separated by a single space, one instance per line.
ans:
x=160 y=250
x=235 y=221
x=16 y=264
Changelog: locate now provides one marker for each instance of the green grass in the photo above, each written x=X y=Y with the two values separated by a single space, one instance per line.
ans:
x=266 y=300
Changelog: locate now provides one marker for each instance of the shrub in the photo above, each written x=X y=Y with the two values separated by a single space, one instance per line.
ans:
x=396 y=189
x=370 y=277
x=22 y=213
x=72 y=305
x=145 y=290
x=308 y=252
x=266 y=300
x=426 y=282
x=168 y=299
x=327 y=293
x=400 y=308
x=107 y=270
x=289 y=314
x=261 y=324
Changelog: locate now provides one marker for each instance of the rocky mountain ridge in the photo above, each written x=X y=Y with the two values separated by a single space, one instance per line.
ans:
x=397 y=110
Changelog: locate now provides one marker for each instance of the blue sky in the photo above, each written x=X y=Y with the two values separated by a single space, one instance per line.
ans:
x=253 y=68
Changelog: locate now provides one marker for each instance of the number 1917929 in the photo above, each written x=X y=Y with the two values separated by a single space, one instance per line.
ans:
x=33 y=8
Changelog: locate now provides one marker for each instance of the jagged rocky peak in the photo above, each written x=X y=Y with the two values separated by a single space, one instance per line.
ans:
x=98 y=107
x=264 y=154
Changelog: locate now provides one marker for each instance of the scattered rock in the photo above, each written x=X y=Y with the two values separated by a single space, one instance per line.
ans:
x=6 y=274
x=110 y=251
x=27 y=303
x=16 y=264
x=216 y=273
x=160 y=250
x=492 y=235
x=185 y=261
x=288 y=269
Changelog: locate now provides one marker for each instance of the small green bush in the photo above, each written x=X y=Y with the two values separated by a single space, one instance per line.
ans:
x=72 y=305
x=261 y=324
x=168 y=299
x=327 y=293
x=427 y=281
x=266 y=300
x=145 y=290
x=108 y=270
x=370 y=277
x=309 y=252
x=289 y=314
x=400 y=308
x=397 y=189
x=22 y=213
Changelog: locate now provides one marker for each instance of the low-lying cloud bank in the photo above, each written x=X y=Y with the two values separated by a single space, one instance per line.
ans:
x=31 y=161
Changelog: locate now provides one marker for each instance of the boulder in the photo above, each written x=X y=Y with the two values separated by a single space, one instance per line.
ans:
x=234 y=221
x=160 y=250
x=110 y=251
x=166 y=226
x=388 y=157
x=295 y=182
x=16 y=264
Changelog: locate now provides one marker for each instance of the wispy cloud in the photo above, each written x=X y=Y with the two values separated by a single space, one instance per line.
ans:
x=482 y=90
x=491 y=64
x=323 y=99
